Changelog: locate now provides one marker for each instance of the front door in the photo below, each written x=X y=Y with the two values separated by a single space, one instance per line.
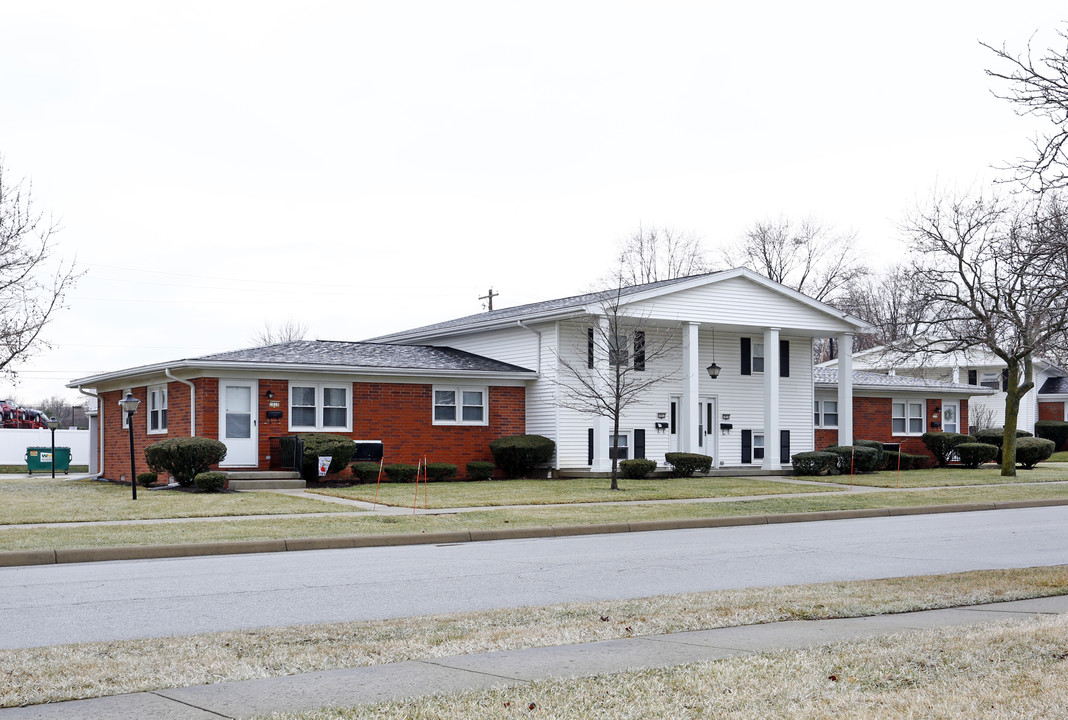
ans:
x=706 y=427
x=237 y=422
x=951 y=417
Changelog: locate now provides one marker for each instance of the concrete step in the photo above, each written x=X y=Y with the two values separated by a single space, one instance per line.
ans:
x=265 y=480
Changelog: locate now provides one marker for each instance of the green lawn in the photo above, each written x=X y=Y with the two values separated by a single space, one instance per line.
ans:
x=22 y=469
x=44 y=500
x=493 y=493
x=951 y=476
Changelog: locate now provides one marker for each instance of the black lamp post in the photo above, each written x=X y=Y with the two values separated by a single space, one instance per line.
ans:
x=129 y=406
x=52 y=424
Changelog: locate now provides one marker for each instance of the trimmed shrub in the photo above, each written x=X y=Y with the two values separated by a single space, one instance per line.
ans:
x=637 y=468
x=815 y=463
x=365 y=471
x=686 y=464
x=517 y=455
x=908 y=462
x=1030 y=451
x=210 y=481
x=863 y=459
x=184 y=458
x=440 y=472
x=1055 y=430
x=942 y=445
x=480 y=470
x=996 y=436
x=147 y=478
x=917 y=462
x=972 y=455
x=875 y=445
x=400 y=472
x=338 y=447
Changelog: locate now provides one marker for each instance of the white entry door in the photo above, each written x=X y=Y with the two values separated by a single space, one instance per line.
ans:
x=237 y=422
x=673 y=425
x=951 y=417
x=707 y=436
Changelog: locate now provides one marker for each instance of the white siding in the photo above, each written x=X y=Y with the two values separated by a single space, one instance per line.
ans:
x=515 y=345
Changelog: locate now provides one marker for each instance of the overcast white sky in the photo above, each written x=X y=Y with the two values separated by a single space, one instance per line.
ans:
x=365 y=167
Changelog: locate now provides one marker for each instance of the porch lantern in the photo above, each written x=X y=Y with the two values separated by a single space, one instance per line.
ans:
x=52 y=424
x=713 y=370
x=129 y=406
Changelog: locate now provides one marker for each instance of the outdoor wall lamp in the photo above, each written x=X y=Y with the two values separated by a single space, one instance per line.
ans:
x=129 y=406
x=52 y=424
x=269 y=394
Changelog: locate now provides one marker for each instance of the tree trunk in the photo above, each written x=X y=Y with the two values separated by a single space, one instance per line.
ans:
x=615 y=452
x=1012 y=414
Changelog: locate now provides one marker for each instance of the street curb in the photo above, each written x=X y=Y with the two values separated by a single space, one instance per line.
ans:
x=18 y=558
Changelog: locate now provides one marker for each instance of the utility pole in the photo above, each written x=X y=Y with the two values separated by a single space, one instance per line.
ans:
x=489 y=296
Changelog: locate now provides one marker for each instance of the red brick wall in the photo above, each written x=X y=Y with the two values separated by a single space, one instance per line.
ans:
x=1051 y=411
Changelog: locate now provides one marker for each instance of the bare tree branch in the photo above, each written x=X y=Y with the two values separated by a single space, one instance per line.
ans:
x=654 y=254
x=286 y=331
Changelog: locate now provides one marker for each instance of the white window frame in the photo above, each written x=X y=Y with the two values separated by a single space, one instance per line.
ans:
x=755 y=356
x=820 y=413
x=758 y=450
x=156 y=391
x=459 y=391
x=624 y=445
x=990 y=379
x=320 y=407
x=908 y=417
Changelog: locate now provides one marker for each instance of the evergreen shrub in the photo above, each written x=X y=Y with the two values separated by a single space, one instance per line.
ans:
x=1030 y=451
x=440 y=472
x=972 y=455
x=686 y=464
x=147 y=478
x=212 y=481
x=184 y=458
x=814 y=463
x=339 y=448
x=637 y=468
x=480 y=470
x=401 y=472
x=517 y=455
x=365 y=471
x=942 y=445
x=1055 y=430
x=863 y=459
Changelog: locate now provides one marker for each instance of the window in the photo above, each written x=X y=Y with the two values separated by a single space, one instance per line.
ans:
x=617 y=350
x=639 y=350
x=459 y=405
x=157 y=409
x=907 y=417
x=758 y=357
x=825 y=413
x=320 y=407
x=991 y=380
x=618 y=447
x=758 y=446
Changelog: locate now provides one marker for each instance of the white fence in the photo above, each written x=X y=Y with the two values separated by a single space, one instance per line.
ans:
x=13 y=444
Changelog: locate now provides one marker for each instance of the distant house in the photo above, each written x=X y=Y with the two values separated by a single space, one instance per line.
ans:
x=445 y=390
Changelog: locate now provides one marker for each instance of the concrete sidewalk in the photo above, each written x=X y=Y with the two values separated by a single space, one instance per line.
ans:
x=366 y=685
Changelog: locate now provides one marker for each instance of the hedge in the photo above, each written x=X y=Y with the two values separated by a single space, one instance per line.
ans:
x=338 y=447
x=517 y=455
x=908 y=462
x=942 y=445
x=637 y=468
x=862 y=459
x=210 y=481
x=875 y=445
x=686 y=464
x=184 y=458
x=996 y=436
x=1030 y=451
x=440 y=472
x=815 y=463
x=480 y=470
x=365 y=471
x=400 y=472
x=972 y=455
x=1055 y=430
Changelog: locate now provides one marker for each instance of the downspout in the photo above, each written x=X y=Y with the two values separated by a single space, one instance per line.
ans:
x=99 y=433
x=192 y=401
x=538 y=333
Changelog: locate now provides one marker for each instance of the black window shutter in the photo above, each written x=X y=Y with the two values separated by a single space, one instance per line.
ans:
x=747 y=446
x=639 y=349
x=784 y=358
x=1005 y=380
x=784 y=446
x=747 y=356
x=973 y=377
x=639 y=444
x=589 y=348
x=589 y=446
x=673 y=429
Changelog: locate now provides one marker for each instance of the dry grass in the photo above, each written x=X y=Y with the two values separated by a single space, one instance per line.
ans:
x=15 y=538
x=50 y=674
x=44 y=500
x=1001 y=670
x=573 y=490
x=951 y=476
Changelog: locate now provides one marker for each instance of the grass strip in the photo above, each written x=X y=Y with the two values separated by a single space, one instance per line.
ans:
x=1007 y=670
x=15 y=538
x=50 y=674
x=950 y=476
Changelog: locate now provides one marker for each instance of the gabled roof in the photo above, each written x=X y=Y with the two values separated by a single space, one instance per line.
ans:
x=876 y=381
x=587 y=302
x=885 y=356
x=332 y=356
x=1054 y=386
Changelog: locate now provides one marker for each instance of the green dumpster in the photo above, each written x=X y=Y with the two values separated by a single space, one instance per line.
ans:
x=40 y=458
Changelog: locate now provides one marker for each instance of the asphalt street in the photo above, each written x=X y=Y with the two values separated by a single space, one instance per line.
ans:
x=54 y=604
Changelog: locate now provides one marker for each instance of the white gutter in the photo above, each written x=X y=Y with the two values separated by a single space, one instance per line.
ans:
x=538 y=333
x=192 y=401
x=100 y=435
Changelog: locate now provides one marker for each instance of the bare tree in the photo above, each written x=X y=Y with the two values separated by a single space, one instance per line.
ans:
x=625 y=357
x=889 y=301
x=287 y=331
x=32 y=286
x=68 y=415
x=994 y=276
x=654 y=254
x=1039 y=87
x=808 y=256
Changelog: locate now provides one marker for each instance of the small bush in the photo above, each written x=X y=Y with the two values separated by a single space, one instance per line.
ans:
x=996 y=436
x=337 y=447
x=184 y=458
x=147 y=478
x=480 y=470
x=686 y=464
x=814 y=463
x=972 y=455
x=1030 y=451
x=917 y=462
x=862 y=459
x=637 y=468
x=210 y=481
x=440 y=472
x=401 y=472
x=1055 y=430
x=365 y=472
x=880 y=452
x=942 y=445
x=517 y=455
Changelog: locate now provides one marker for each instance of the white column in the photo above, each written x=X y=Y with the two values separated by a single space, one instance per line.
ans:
x=691 y=379
x=602 y=426
x=845 y=389
x=771 y=400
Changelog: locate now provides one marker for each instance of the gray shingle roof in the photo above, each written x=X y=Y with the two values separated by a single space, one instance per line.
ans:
x=365 y=354
x=1054 y=386
x=829 y=376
